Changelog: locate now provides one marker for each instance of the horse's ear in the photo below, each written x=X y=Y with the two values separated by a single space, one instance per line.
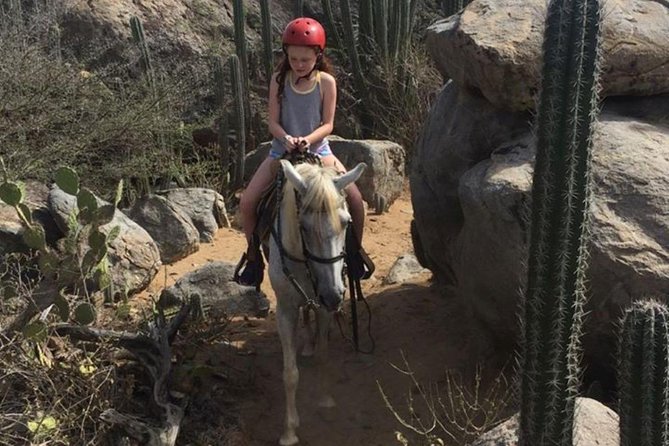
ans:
x=350 y=176
x=293 y=176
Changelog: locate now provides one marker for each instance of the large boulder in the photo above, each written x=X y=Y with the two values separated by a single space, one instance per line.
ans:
x=494 y=46
x=218 y=294
x=172 y=230
x=384 y=176
x=461 y=130
x=205 y=208
x=594 y=425
x=133 y=255
x=629 y=249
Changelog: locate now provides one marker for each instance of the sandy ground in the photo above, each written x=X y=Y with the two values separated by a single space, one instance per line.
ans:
x=415 y=319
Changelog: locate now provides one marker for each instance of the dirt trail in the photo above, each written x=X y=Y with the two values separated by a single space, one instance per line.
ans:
x=432 y=330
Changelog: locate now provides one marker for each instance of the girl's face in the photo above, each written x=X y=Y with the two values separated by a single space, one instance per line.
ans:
x=302 y=59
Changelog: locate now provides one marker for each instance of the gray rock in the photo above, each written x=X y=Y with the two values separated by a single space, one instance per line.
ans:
x=384 y=175
x=477 y=50
x=594 y=425
x=205 y=208
x=133 y=255
x=404 y=269
x=461 y=130
x=170 y=228
x=629 y=248
x=218 y=293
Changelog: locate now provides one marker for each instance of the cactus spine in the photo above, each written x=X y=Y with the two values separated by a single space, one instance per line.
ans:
x=643 y=375
x=268 y=56
x=554 y=298
x=238 y=91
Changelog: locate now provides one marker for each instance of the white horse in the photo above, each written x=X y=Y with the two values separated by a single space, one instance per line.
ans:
x=306 y=267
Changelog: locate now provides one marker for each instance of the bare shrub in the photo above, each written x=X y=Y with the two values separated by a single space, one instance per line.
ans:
x=454 y=412
x=53 y=391
x=108 y=123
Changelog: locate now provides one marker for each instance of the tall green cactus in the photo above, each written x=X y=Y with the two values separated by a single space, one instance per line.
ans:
x=450 y=7
x=554 y=298
x=268 y=55
x=242 y=54
x=299 y=8
x=352 y=47
x=643 y=375
x=237 y=88
x=239 y=16
x=137 y=30
x=220 y=93
x=333 y=32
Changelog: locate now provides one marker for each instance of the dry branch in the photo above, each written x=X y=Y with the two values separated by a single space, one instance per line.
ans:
x=153 y=351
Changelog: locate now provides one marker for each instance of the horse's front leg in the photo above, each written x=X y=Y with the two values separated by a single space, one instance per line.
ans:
x=287 y=319
x=324 y=319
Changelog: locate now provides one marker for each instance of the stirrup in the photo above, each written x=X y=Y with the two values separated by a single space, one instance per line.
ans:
x=252 y=273
x=360 y=265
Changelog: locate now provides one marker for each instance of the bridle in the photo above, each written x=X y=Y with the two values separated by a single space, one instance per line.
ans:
x=308 y=256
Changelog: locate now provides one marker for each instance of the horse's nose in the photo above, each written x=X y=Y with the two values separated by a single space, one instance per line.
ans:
x=332 y=299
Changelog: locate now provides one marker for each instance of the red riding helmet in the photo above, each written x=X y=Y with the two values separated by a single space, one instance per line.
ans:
x=304 y=31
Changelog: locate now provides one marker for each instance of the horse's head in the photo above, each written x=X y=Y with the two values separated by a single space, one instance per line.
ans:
x=322 y=218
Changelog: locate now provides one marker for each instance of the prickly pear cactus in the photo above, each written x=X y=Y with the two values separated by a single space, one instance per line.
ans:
x=70 y=268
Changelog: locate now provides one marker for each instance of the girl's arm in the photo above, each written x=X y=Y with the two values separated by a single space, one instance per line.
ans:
x=274 y=106
x=329 y=90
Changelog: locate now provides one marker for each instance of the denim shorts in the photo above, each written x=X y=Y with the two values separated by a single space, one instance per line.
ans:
x=322 y=150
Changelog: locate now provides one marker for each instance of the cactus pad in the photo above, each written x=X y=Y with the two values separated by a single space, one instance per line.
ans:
x=85 y=314
x=35 y=331
x=68 y=180
x=11 y=193
x=34 y=237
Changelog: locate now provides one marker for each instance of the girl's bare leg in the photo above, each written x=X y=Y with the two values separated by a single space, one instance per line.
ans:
x=253 y=192
x=353 y=198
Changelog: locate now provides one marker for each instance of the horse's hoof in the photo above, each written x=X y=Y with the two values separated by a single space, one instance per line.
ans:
x=327 y=402
x=288 y=440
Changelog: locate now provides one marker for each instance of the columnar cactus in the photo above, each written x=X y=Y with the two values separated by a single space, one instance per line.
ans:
x=451 y=7
x=220 y=93
x=268 y=55
x=643 y=375
x=238 y=91
x=239 y=16
x=299 y=8
x=554 y=298
x=242 y=55
x=138 y=36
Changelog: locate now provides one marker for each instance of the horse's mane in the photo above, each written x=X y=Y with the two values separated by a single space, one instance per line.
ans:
x=321 y=196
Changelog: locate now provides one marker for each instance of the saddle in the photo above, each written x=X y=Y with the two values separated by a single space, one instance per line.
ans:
x=360 y=266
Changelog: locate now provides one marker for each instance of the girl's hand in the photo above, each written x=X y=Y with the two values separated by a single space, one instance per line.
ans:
x=302 y=144
x=290 y=143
